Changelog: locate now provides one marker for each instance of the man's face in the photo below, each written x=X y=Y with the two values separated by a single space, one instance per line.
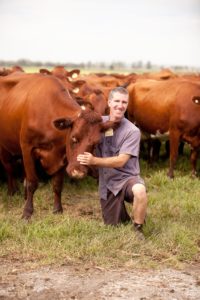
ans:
x=118 y=105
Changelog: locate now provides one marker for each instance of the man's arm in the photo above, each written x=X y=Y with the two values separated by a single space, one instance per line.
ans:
x=105 y=162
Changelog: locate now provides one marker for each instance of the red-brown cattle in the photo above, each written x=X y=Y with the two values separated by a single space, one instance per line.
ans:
x=158 y=107
x=107 y=80
x=195 y=151
x=39 y=120
x=60 y=71
x=79 y=88
x=191 y=76
x=96 y=90
x=14 y=69
x=66 y=77
x=98 y=101
x=163 y=74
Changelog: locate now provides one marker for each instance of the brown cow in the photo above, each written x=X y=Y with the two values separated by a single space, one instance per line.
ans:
x=96 y=90
x=158 y=107
x=79 y=88
x=39 y=120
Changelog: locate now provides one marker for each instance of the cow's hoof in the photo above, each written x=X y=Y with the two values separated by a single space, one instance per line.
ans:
x=26 y=219
x=57 y=211
x=170 y=176
x=26 y=216
x=12 y=192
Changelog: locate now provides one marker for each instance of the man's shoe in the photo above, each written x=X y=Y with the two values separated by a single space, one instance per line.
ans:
x=138 y=231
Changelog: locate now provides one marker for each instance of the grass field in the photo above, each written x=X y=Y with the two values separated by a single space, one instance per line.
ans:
x=172 y=230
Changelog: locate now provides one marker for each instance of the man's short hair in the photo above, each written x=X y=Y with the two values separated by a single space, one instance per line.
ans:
x=118 y=89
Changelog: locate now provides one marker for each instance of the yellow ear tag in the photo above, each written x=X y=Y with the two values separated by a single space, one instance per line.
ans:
x=109 y=132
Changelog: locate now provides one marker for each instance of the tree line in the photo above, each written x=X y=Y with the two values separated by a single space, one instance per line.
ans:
x=117 y=65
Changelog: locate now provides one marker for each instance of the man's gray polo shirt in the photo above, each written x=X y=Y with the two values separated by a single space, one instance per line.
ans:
x=125 y=140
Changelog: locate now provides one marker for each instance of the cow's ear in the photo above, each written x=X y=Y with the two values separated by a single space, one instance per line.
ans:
x=109 y=125
x=196 y=100
x=62 y=123
x=97 y=91
x=77 y=84
x=9 y=83
x=84 y=104
x=45 y=71
x=73 y=73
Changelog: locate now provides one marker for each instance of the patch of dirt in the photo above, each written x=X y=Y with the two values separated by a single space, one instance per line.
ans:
x=18 y=281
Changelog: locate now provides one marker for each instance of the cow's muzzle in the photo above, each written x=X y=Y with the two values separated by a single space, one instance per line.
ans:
x=77 y=174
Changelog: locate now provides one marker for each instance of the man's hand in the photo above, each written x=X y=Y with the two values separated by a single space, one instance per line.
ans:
x=105 y=162
x=86 y=158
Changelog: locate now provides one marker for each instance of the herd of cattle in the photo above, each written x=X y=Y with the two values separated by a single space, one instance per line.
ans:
x=51 y=116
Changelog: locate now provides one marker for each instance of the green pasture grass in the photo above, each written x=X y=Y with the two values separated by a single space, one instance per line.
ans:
x=172 y=227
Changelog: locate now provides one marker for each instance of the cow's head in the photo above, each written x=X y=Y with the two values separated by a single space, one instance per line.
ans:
x=84 y=134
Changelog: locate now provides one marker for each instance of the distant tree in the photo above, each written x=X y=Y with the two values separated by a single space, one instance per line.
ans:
x=148 y=65
x=111 y=67
x=102 y=65
x=139 y=64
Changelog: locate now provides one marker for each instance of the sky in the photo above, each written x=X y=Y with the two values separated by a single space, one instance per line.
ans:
x=164 y=32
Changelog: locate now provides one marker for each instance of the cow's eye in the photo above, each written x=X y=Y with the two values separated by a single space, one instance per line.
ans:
x=74 y=140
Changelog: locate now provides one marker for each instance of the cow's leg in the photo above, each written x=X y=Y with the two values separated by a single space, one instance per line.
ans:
x=153 y=150
x=7 y=162
x=156 y=149
x=57 y=183
x=31 y=182
x=174 y=143
x=25 y=188
x=149 y=150
x=181 y=148
x=193 y=159
x=31 y=187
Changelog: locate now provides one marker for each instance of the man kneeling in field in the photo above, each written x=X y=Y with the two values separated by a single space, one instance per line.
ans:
x=118 y=162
